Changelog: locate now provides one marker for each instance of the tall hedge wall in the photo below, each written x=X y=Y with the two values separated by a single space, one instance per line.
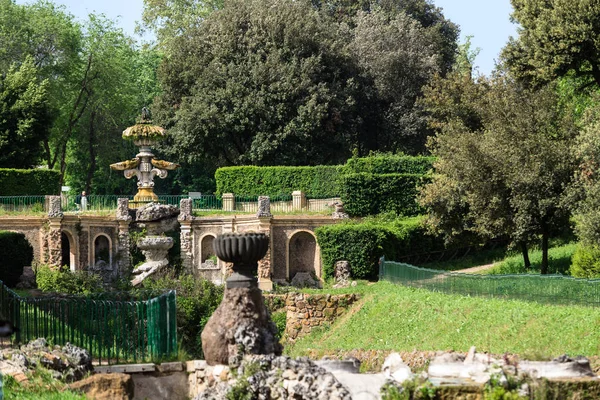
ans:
x=16 y=253
x=370 y=194
x=390 y=164
x=362 y=244
x=317 y=182
x=23 y=182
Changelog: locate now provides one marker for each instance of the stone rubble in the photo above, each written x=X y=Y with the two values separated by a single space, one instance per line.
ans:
x=271 y=377
x=68 y=363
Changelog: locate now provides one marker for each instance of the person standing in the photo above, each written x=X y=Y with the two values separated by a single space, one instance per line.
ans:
x=84 y=202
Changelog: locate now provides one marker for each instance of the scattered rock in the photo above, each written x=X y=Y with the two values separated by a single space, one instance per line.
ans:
x=395 y=368
x=114 y=386
x=27 y=279
x=277 y=377
x=304 y=280
x=562 y=367
x=67 y=363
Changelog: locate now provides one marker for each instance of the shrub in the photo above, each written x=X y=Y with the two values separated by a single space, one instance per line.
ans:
x=315 y=182
x=16 y=253
x=279 y=319
x=586 y=261
x=363 y=243
x=197 y=299
x=390 y=164
x=62 y=280
x=370 y=194
x=23 y=182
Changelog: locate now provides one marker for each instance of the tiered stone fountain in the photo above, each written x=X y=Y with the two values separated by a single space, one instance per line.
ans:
x=156 y=218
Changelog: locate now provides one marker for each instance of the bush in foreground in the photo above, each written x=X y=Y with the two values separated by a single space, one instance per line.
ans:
x=17 y=253
x=197 y=299
x=586 y=262
x=62 y=280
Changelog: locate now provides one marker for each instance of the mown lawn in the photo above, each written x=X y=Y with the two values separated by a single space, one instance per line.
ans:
x=394 y=317
x=559 y=261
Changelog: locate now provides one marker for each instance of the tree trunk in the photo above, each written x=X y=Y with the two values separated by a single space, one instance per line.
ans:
x=544 y=267
x=525 y=253
x=92 y=150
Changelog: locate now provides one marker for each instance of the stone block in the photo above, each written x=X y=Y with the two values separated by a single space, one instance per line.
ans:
x=170 y=367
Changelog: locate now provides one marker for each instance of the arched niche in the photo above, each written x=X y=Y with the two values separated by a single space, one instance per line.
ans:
x=68 y=250
x=102 y=250
x=206 y=247
x=303 y=254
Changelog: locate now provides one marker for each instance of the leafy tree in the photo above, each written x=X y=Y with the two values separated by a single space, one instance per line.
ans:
x=24 y=115
x=507 y=178
x=555 y=37
x=262 y=82
x=443 y=32
x=173 y=18
x=117 y=81
x=397 y=55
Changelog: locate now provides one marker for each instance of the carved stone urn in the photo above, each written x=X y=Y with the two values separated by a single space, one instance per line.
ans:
x=241 y=324
x=243 y=250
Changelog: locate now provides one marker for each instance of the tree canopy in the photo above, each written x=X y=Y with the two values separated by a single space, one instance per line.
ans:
x=508 y=175
x=555 y=37
x=283 y=82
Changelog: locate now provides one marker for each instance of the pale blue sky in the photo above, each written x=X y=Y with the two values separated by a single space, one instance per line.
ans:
x=486 y=20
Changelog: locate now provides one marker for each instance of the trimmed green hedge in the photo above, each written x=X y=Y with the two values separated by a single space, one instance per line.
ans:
x=28 y=182
x=16 y=253
x=390 y=164
x=370 y=194
x=362 y=244
x=316 y=182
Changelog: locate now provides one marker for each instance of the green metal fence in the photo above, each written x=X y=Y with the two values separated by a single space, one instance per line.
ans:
x=554 y=289
x=22 y=203
x=113 y=331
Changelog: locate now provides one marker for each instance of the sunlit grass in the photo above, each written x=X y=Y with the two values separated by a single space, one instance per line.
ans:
x=559 y=261
x=398 y=318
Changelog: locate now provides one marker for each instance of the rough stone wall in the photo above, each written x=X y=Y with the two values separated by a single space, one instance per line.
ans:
x=54 y=245
x=305 y=311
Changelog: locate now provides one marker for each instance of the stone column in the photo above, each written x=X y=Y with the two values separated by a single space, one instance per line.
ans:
x=298 y=200
x=55 y=216
x=185 y=219
x=124 y=219
x=228 y=202
x=264 y=265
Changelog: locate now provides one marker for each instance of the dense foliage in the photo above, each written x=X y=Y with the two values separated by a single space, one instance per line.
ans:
x=21 y=182
x=555 y=37
x=390 y=164
x=268 y=82
x=67 y=91
x=197 y=299
x=24 y=115
x=371 y=194
x=363 y=243
x=64 y=281
x=316 y=182
x=505 y=172
x=17 y=253
x=586 y=262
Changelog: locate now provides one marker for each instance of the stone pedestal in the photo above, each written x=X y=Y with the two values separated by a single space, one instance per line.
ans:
x=240 y=325
x=298 y=200
x=228 y=202
x=186 y=238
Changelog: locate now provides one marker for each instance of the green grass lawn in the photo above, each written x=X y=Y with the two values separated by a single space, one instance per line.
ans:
x=394 y=317
x=559 y=261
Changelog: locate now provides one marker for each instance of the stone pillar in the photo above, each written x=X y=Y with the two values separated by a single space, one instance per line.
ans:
x=264 y=265
x=185 y=219
x=228 y=202
x=264 y=207
x=298 y=200
x=124 y=219
x=55 y=216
